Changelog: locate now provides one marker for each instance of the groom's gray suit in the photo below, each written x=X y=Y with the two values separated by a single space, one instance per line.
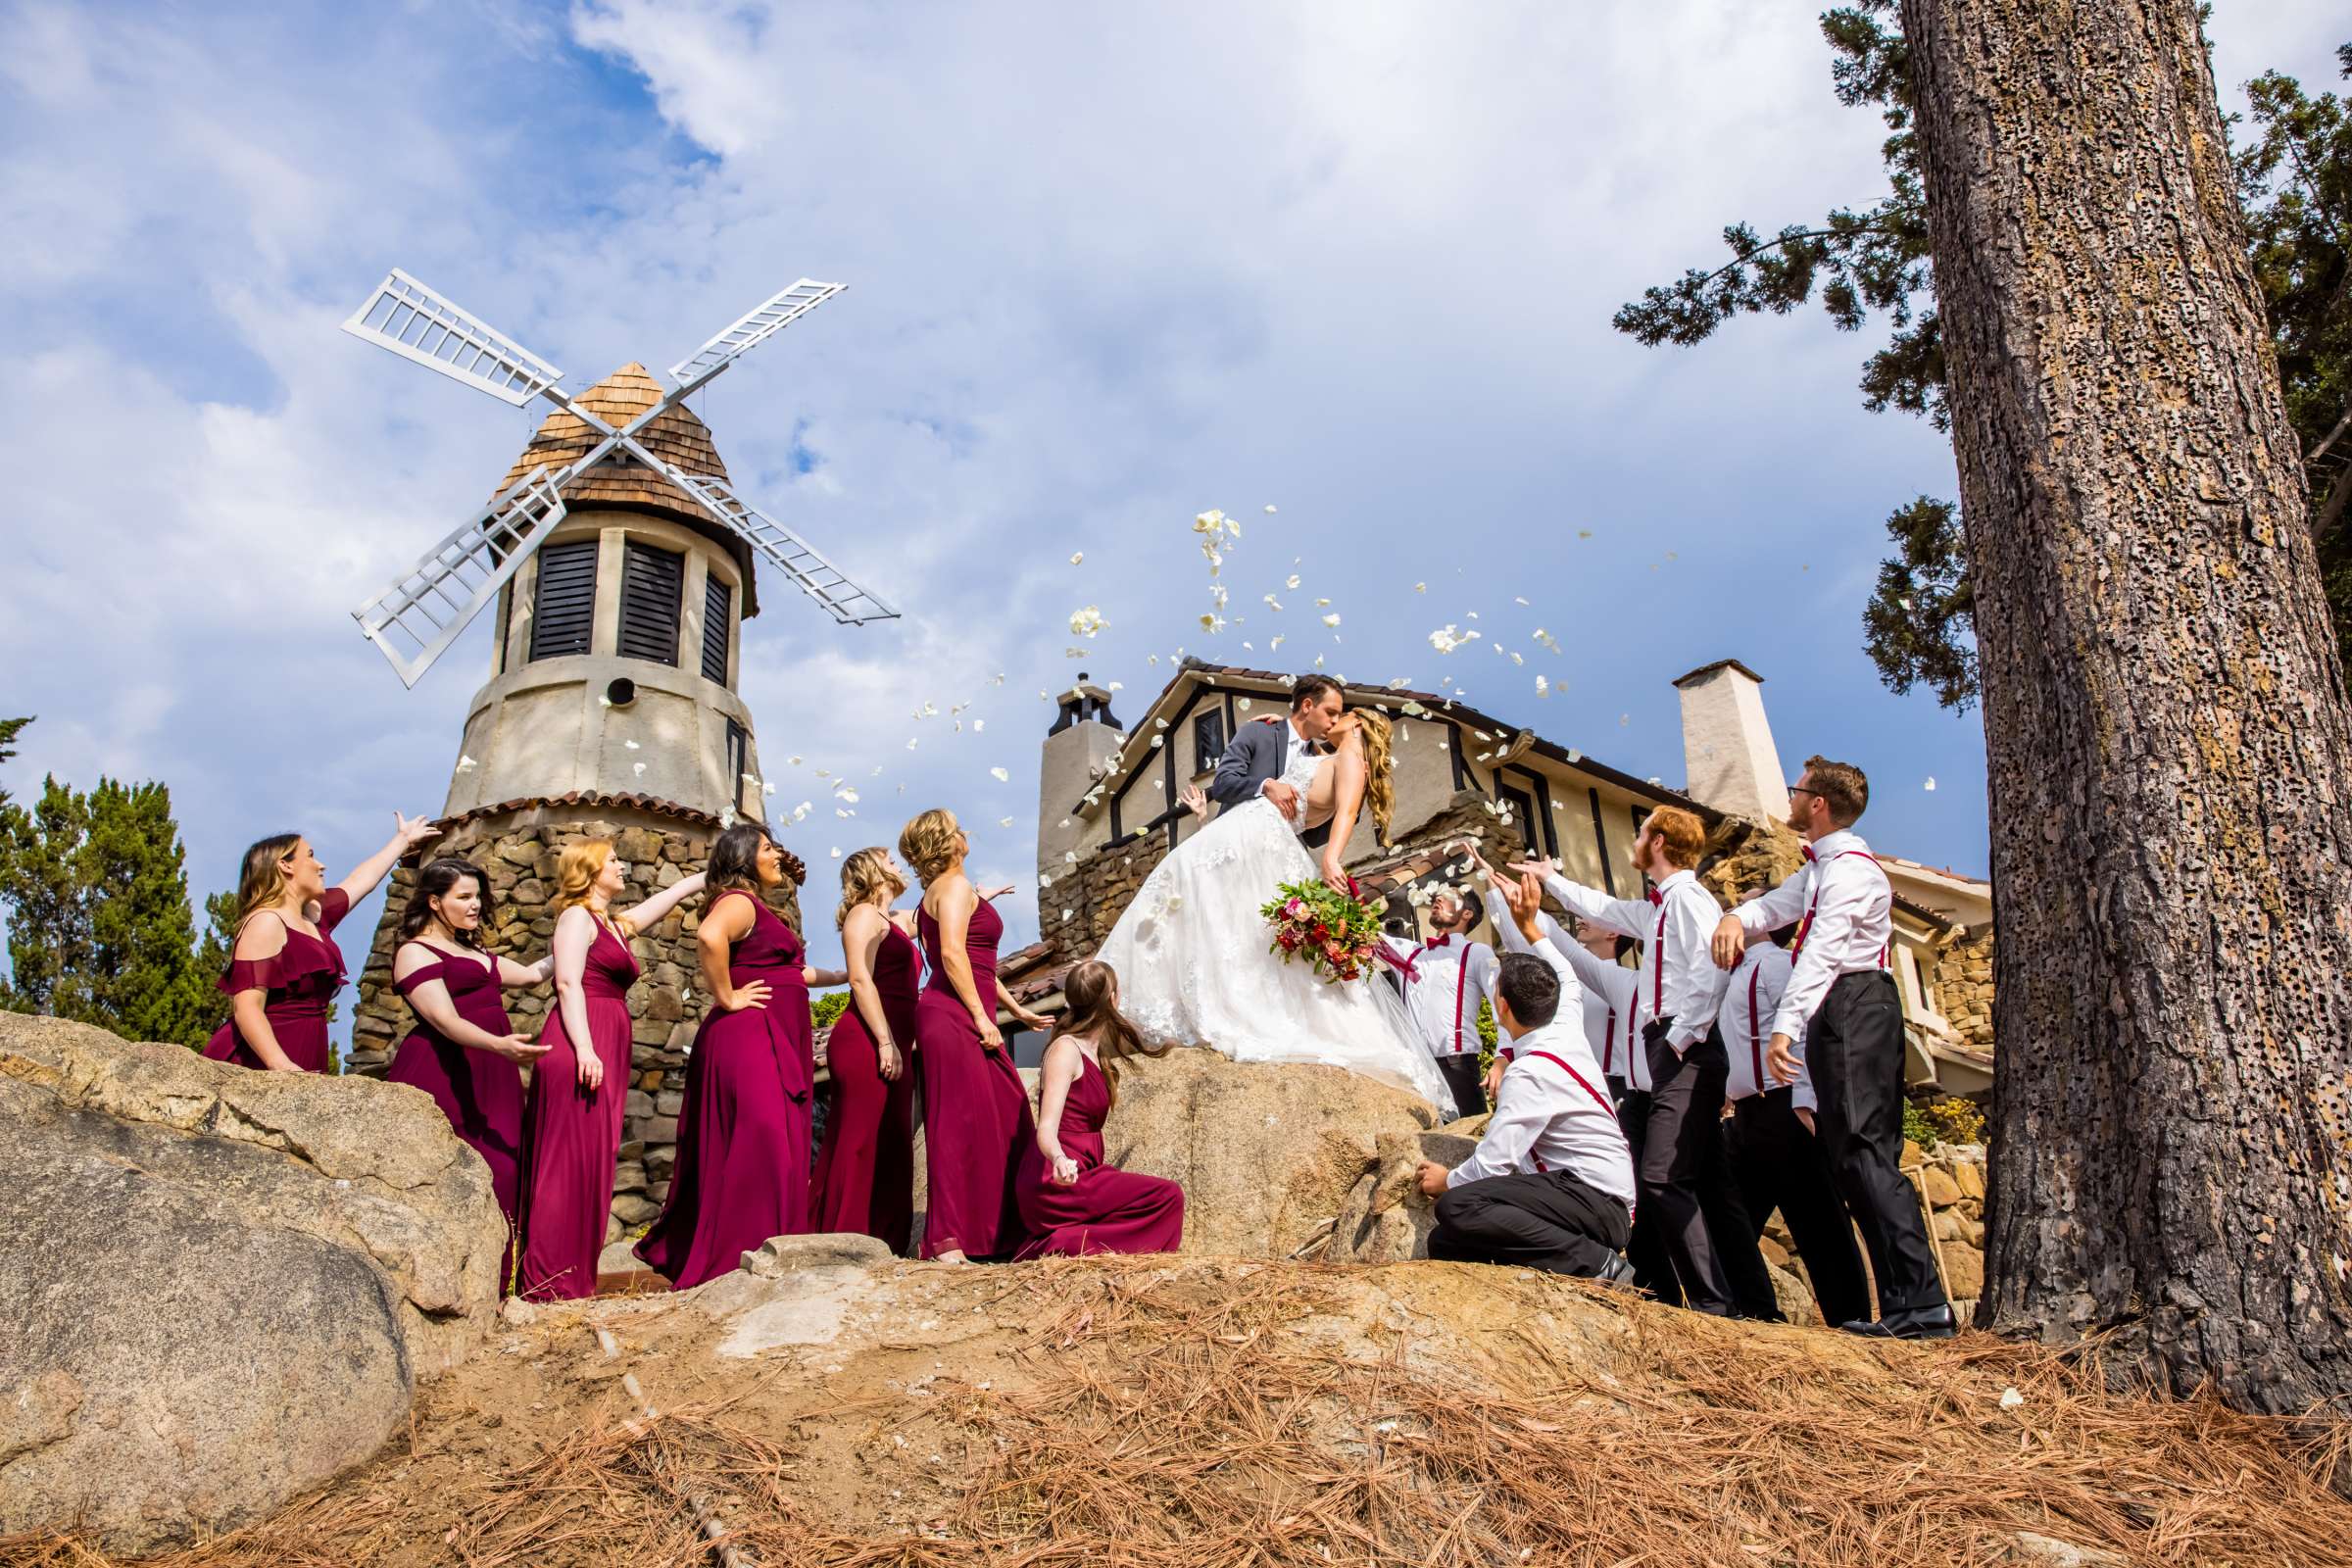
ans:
x=1260 y=752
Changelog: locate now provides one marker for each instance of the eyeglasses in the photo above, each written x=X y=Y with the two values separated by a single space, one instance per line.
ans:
x=1799 y=789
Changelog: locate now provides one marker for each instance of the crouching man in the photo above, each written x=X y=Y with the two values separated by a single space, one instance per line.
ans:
x=1551 y=1185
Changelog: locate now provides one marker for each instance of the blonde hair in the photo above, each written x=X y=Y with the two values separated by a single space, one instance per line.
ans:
x=262 y=883
x=928 y=843
x=864 y=874
x=1380 y=784
x=577 y=871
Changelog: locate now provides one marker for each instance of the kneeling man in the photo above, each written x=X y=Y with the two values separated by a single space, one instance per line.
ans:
x=1551 y=1185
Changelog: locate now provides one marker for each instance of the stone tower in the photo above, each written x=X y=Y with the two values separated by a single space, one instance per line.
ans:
x=1079 y=749
x=610 y=713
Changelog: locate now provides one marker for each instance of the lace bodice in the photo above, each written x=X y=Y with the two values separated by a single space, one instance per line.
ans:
x=1299 y=773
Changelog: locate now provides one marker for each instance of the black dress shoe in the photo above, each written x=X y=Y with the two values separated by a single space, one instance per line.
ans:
x=1616 y=1271
x=1917 y=1323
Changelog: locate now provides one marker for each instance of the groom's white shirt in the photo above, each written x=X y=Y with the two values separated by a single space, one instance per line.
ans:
x=1552 y=1112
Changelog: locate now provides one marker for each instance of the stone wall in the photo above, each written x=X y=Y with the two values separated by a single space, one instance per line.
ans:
x=1950 y=1181
x=518 y=852
x=1962 y=978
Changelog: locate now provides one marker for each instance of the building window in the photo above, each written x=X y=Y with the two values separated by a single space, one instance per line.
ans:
x=563 y=604
x=1208 y=739
x=1523 y=814
x=738 y=762
x=652 y=581
x=718 y=601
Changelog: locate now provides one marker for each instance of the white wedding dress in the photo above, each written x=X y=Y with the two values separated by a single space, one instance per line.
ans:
x=1191 y=954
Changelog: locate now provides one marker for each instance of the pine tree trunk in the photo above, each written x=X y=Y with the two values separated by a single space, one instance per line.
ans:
x=2164 y=712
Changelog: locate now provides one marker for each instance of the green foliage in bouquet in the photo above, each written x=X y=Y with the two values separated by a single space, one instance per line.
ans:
x=1335 y=932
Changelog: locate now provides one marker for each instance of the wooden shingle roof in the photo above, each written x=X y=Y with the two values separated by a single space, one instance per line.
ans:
x=623 y=483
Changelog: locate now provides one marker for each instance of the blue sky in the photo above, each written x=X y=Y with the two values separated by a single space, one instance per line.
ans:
x=1108 y=266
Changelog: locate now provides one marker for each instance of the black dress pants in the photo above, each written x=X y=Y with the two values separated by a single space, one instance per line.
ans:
x=1854 y=1051
x=1776 y=1164
x=1551 y=1220
x=1460 y=1069
x=1679 y=1126
x=1733 y=1230
x=1654 y=1275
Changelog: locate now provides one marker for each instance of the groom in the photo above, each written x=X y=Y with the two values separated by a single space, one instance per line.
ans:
x=1252 y=764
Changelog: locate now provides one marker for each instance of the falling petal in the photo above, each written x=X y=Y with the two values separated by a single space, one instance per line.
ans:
x=1292 y=581
x=1331 y=619
x=1930 y=784
x=1077 y=556
x=1003 y=821
x=638 y=767
x=998 y=775
x=1269 y=509
x=632 y=746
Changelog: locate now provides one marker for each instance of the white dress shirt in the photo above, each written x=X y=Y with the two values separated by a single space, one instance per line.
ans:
x=1444 y=980
x=1748 y=1004
x=1678 y=978
x=1608 y=988
x=1845 y=912
x=1553 y=1113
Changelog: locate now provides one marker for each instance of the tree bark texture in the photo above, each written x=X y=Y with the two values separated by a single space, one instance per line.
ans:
x=2164 y=714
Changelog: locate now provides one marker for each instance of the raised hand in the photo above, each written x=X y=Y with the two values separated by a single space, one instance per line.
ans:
x=1534 y=869
x=412 y=831
x=1193 y=801
x=997 y=892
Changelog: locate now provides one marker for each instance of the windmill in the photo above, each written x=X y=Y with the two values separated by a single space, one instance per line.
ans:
x=413 y=620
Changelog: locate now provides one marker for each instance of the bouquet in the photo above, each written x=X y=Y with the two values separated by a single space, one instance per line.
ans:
x=1337 y=932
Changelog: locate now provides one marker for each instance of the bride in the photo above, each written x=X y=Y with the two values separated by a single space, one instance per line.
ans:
x=1192 y=950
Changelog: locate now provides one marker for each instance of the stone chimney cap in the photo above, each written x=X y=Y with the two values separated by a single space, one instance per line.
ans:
x=1719 y=663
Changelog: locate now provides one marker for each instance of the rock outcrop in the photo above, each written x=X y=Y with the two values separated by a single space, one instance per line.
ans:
x=221 y=1286
x=1268 y=1153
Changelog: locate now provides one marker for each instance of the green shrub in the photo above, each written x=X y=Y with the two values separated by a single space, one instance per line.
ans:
x=829 y=1007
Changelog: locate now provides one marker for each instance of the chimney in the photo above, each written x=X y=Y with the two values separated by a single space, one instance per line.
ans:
x=1082 y=742
x=1727 y=742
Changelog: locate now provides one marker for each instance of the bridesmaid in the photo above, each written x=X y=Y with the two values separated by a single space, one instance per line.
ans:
x=572 y=1116
x=976 y=1117
x=1071 y=1202
x=455 y=1053
x=744 y=1139
x=865 y=1170
x=285 y=967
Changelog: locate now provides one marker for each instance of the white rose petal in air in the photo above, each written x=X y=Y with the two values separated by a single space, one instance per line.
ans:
x=792 y=762
x=1292 y=581
x=998 y=775
x=1070 y=856
x=1003 y=821
x=1243 y=705
x=1273 y=603
x=638 y=767
x=1269 y=509
x=1276 y=643
x=1331 y=621
x=837 y=852
x=1420 y=587
x=1088 y=621
x=1930 y=784
x=466 y=763
x=1077 y=556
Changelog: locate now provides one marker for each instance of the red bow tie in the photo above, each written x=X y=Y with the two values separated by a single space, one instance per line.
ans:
x=1807 y=851
x=1655 y=896
x=1439 y=942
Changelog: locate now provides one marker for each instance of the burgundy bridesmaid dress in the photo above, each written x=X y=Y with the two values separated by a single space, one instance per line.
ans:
x=976 y=1116
x=743 y=1139
x=1109 y=1209
x=480 y=1091
x=301 y=978
x=571 y=1134
x=865 y=1170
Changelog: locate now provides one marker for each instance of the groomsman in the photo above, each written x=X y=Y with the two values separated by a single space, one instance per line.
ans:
x=1445 y=978
x=1681 y=1064
x=1842 y=1010
x=1551 y=1185
x=1776 y=1161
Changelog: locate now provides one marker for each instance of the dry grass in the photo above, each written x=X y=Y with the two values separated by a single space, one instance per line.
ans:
x=1178 y=1425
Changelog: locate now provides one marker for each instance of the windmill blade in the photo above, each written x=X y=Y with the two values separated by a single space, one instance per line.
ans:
x=753 y=328
x=786 y=550
x=417 y=323
x=427 y=605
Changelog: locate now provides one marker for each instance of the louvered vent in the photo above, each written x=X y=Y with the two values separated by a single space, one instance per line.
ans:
x=563 y=609
x=718 y=601
x=651 y=583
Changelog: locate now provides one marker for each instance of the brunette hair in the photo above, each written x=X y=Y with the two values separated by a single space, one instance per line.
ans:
x=865 y=873
x=263 y=880
x=928 y=843
x=577 y=871
x=735 y=860
x=1681 y=832
x=1311 y=689
x=1088 y=989
x=1529 y=988
x=1843 y=788
x=435 y=881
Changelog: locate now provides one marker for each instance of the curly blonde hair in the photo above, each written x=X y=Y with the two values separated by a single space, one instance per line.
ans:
x=577 y=871
x=1380 y=783
x=928 y=843
x=865 y=873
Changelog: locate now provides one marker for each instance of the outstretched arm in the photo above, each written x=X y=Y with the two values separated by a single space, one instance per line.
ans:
x=653 y=911
x=407 y=833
